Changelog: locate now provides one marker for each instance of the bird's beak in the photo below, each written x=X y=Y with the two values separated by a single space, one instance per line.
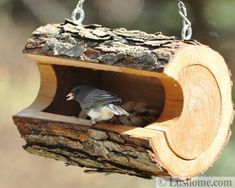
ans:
x=69 y=97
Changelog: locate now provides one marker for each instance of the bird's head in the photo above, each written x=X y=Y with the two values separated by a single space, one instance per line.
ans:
x=76 y=92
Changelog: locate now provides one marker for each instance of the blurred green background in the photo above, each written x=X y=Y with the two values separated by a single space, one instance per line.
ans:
x=213 y=24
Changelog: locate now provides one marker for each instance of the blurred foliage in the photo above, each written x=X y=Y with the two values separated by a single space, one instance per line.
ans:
x=213 y=24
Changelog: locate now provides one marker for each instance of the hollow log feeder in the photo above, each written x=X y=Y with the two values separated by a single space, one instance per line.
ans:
x=187 y=81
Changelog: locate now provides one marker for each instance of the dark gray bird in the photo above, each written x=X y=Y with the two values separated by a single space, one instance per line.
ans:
x=99 y=105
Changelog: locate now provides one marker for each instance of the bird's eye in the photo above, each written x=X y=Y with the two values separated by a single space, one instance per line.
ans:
x=77 y=92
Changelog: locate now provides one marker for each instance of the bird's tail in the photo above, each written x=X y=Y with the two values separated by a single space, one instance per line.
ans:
x=117 y=110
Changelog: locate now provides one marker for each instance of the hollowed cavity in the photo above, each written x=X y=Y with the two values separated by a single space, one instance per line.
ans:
x=143 y=97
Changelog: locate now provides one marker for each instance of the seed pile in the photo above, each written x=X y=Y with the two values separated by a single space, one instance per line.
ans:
x=140 y=114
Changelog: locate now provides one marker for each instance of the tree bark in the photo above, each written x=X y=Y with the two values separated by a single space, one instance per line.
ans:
x=95 y=148
x=97 y=44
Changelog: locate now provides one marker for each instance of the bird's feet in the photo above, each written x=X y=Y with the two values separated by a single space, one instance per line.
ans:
x=82 y=115
x=93 y=121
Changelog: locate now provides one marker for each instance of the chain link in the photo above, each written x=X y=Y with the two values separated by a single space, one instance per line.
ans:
x=187 y=27
x=78 y=11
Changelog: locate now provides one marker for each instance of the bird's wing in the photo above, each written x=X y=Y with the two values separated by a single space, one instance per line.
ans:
x=117 y=110
x=98 y=97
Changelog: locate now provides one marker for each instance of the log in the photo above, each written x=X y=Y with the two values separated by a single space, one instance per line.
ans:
x=186 y=83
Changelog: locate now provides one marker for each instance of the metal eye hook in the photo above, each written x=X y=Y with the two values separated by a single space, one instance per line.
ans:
x=187 y=32
x=78 y=11
x=187 y=27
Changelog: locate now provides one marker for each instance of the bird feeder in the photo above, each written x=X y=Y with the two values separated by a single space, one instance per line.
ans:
x=189 y=83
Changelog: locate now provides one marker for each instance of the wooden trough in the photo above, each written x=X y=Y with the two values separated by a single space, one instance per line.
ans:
x=187 y=82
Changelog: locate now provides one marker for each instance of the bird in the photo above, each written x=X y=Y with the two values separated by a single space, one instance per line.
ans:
x=98 y=104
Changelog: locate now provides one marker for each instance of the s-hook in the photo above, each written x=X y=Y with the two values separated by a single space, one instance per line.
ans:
x=187 y=27
x=78 y=11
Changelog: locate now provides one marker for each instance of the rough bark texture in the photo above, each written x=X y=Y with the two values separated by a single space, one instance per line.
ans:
x=94 y=43
x=97 y=150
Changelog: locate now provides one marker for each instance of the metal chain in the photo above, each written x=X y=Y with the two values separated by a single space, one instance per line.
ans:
x=187 y=27
x=186 y=31
x=78 y=11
